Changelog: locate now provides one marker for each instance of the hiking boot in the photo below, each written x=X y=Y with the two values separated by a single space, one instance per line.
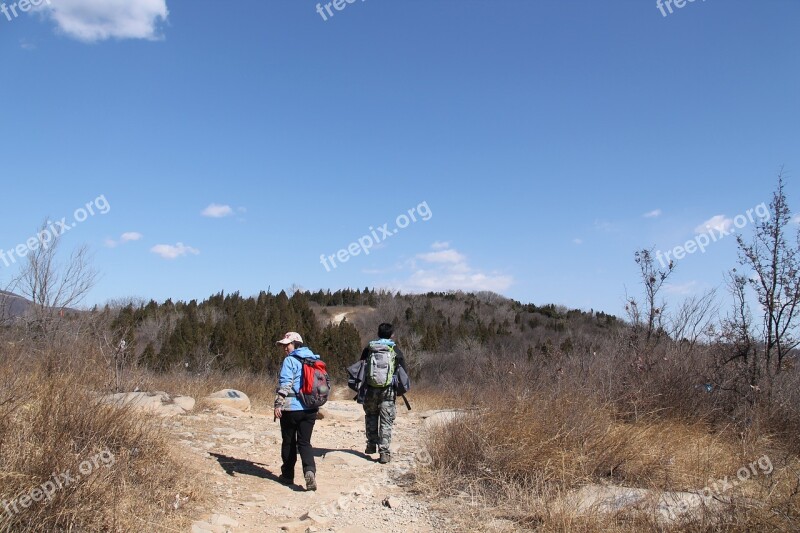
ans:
x=385 y=458
x=371 y=448
x=285 y=480
x=311 y=481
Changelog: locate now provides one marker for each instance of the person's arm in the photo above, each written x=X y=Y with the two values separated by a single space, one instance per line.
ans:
x=365 y=354
x=401 y=360
x=285 y=382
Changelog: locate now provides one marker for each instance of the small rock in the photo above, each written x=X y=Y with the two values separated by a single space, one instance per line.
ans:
x=343 y=458
x=222 y=520
x=205 y=527
x=155 y=403
x=392 y=502
x=228 y=398
x=184 y=402
x=241 y=435
x=224 y=411
x=316 y=518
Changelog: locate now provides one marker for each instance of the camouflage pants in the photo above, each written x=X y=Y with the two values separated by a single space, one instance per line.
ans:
x=379 y=411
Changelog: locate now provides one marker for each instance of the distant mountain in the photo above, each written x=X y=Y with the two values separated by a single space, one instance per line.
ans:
x=12 y=305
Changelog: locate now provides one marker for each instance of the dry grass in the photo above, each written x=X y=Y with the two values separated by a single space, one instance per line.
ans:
x=259 y=388
x=429 y=398
x=116 y=468
x=516 y=459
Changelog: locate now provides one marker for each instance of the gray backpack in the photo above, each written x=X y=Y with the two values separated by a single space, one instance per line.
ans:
x=380 y=365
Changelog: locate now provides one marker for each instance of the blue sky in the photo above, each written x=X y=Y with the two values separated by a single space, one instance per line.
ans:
x=235 y=143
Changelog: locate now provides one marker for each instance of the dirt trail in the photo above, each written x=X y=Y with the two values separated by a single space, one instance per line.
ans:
x=241 y=457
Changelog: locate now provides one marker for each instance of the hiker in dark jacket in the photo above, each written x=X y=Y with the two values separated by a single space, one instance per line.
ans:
x=379 y=402
x=297 y=422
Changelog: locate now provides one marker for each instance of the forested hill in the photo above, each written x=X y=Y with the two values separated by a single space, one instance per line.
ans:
x=228 y=331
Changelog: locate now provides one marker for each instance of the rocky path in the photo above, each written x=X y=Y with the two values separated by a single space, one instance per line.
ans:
x=241 y=456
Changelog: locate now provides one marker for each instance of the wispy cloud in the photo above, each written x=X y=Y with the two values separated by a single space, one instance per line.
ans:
x=577 y=241
x=217 y=211
x=131 y=236
x=169 y=251
x=683 y=289
x=125 y=237
x=98 y=20
x=796 y=219
x=442 y=256
x=655 y=213
x=447 y=269
x=603 y=225
x=719 y=223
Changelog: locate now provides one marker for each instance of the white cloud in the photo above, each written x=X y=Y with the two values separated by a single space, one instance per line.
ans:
x=655 y=213
x=719 y=223
x=131 y=236
x=125 y=237
x=217 y=211
x=690 y=287
x=577 y=241
x=439 y=245
x=427 y=280
x=449 y=270
x=442 y=256
x=98 y=20
x=603 y=225
x=168 y=251
x=796 y=219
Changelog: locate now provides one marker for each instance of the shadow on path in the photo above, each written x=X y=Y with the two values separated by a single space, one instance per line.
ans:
x=232 y=466
x=319 y=452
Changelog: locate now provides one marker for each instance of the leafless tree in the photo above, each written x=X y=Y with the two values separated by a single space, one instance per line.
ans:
x=775 y=278
x=52 y=287
x=693 y=321
x=737 y=329
x=648 y=316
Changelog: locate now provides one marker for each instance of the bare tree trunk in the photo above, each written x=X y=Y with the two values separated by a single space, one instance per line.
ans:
x=54 y=289
x=775 y=265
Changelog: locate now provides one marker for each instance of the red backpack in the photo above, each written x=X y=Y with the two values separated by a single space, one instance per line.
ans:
x=315 y=384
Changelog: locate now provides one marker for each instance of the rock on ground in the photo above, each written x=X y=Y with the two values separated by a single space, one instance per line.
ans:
x=228 y=398
x=667 y=507
x=158 y=403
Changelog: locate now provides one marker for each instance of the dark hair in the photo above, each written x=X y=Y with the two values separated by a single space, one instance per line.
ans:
x=385 y=331
x=297 y=344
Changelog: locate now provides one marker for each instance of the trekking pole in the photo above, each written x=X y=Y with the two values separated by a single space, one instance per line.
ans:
x=408 y=405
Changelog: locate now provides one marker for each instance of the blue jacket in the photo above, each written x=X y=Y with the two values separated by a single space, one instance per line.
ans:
x=289 y=380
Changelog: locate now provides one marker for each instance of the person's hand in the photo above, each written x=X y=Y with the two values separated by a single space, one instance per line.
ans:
x=278 y=413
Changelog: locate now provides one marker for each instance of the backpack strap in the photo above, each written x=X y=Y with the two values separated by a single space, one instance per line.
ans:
x=294 y=394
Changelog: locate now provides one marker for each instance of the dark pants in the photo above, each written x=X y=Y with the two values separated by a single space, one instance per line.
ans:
x=296 y=429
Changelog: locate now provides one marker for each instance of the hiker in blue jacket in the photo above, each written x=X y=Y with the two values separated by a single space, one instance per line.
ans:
x=297 y=422
x=379 y=402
